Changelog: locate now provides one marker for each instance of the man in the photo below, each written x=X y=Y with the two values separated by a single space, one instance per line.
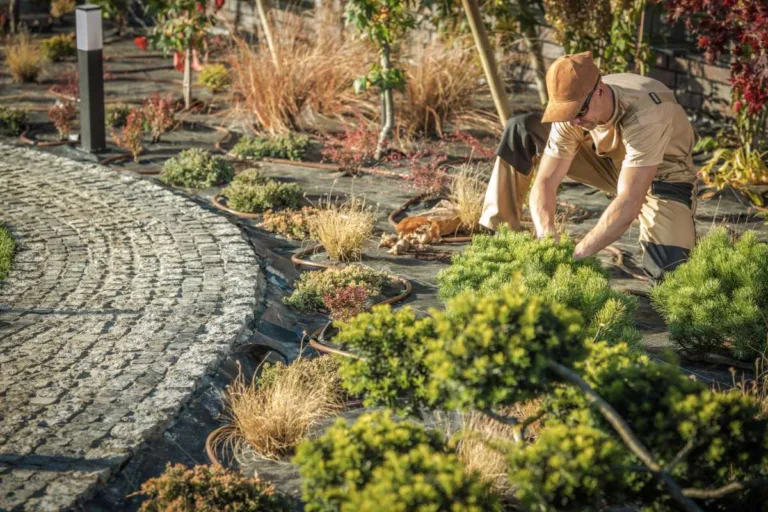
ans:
x=624 y=134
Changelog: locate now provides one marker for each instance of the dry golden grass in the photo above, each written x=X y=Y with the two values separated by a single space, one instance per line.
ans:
x=440 y=83
x=468 y=194
x=274 y=413
x=24 y=59
x=757 y=387
x=313 y=70
x=482 y=442
x=343 y=229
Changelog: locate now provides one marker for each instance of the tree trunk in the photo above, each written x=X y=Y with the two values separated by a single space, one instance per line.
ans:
x=13 y=15
x=533 y=43
x=388 y=113
x=187 y=78
x=263 y=13
x=519 y=185
x=640 y=36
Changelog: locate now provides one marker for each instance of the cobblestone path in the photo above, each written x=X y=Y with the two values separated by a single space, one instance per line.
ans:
x=123 y=295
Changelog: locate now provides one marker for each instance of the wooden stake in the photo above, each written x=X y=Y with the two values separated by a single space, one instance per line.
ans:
x=520 y=182
x=263 y=12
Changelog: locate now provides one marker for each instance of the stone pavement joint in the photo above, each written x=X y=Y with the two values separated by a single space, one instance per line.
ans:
x=123 y=295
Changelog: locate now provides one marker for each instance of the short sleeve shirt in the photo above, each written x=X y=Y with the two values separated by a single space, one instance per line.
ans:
x=654 y=135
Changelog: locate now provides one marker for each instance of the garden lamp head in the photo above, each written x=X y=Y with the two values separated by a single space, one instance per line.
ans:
x=571 y=80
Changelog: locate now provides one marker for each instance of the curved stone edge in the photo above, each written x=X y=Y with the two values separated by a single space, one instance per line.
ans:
x=188 y=372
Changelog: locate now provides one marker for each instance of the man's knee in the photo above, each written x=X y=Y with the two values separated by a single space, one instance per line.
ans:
x=658 y=259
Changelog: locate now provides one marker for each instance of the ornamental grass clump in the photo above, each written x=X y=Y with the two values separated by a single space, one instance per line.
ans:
x=274 y=413
x=717 y=301
x=291 y=147
x=23 y=58
x=311 y=288
x=252 y=192
x=209 y=489
x=12 y=121
x=391 y=371
x=196 y=168
x=467 y=193
x=548 y=271
x=378 y=463
x=343 y=229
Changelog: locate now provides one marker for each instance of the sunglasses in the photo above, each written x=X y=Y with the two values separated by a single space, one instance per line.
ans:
x=585 y=108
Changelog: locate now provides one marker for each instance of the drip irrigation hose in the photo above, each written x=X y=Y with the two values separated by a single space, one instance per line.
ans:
x=24 y=139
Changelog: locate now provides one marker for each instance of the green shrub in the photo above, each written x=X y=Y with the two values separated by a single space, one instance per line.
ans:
x=667 y=410
x=548 y=271
x=58 y=47
x=196 y=168
x=392 y=371
x=717 y=300
x=214 y=77
x=570 y=468
x=402 y=464
x=117 y=114
x=7 y=250
x=251 y=177
x=209 y=489
x=243 y=197
x=311 y=287
x=292 y=147
x=12 y=121
x=493 y=350
x=293 y=224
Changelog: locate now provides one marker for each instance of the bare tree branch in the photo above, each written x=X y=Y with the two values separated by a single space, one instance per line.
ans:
x=709 y=494
x=627 y=435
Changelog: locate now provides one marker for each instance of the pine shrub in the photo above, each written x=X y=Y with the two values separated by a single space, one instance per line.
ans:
x=569 y=468
x=311 y=287
x=58 y=47
x=717 y=300
x=292 y=147
x=493 y=350
x=209 y=489
x=12 y=121
x=380 y=464
x=196 y=168
x=548 y=271
x=392 y=370
x=214 y=77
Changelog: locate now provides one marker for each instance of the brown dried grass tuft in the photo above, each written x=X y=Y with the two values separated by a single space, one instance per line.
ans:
x=274 y=413
x=468 y=194
x=313 y=69
x=756 y=387
x=482 y=442
x=24 y=59
x=440 y=83
x=343 y=229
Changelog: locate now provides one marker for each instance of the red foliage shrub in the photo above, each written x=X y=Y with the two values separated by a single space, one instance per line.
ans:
x=68 y=85
x=478 y=148
x=62 y=115
x=129 y=137
x=159 y=114
x=427 y=171
x=346 y=302
x=739 y=25
x=352 y=149
x=141 y=42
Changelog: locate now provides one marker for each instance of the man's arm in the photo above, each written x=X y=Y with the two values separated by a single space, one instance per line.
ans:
x=632 y=187
x=543 y=198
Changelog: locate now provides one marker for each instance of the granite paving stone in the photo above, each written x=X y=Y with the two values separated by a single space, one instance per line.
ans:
x=122 y=297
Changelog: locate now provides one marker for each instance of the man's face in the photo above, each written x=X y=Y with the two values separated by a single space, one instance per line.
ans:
x=590 y=119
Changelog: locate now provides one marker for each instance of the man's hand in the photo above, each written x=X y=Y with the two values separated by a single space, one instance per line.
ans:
x=633 y=185
x=543 y=198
